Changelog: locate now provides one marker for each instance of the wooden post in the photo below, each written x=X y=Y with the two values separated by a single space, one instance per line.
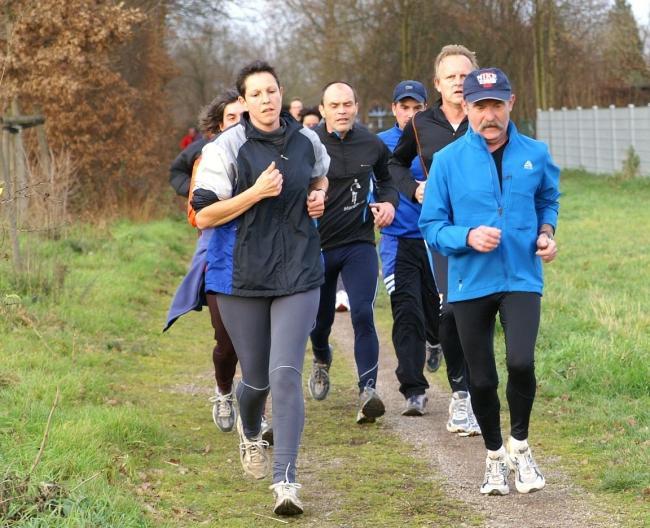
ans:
x=22 y=182
x=11 y=208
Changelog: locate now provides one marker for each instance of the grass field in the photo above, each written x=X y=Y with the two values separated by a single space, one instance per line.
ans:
x=130 y=442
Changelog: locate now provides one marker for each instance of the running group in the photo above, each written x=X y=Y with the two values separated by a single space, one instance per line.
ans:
x=288 y=202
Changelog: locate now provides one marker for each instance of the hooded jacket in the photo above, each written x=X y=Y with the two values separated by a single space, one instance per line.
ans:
x=463 y=192
x=273 y=248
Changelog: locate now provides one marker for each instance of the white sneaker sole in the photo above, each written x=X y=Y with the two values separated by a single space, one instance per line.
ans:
x=504 y=490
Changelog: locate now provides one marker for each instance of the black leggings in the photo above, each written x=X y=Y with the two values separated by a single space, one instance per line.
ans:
x=519 y=313
x=457 y=372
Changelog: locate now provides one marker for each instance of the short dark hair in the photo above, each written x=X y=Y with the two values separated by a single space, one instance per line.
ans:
x=254 y=67
x=309 y=111
x=354 y=92
x=211 y=115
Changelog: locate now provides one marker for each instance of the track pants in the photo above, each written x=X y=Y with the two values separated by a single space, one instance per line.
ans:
x=358 y=266
x=457 y=371
x=414 y=304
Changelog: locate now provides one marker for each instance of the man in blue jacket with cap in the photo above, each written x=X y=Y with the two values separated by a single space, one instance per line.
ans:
x=491 y=206
x=406 y=267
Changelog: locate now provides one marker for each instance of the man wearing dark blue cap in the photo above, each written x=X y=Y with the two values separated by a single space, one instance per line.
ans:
x=491 y=206
x=406 y=269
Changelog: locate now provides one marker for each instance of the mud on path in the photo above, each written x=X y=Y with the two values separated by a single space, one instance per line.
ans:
x=458 y=463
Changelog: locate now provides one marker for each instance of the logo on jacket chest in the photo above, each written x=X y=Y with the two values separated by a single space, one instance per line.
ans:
x=355 y=200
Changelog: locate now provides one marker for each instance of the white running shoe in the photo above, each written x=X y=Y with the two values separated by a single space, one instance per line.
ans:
x=223 y=411
x=458 y=413
x=252 y=453
x=473 y=429
x=496 y=473
x=267 y=430
x=286 y=498
x=528 y=477
x=342 y=301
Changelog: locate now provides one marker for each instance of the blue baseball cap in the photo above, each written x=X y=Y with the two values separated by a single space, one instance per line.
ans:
x=413 y=89
x=486 y=83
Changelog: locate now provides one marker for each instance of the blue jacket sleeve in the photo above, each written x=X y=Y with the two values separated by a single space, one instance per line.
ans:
x=548 y=193
x=437 y=218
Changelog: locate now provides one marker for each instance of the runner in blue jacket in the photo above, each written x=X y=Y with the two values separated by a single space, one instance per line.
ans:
x=407 y=269
x=491 y=206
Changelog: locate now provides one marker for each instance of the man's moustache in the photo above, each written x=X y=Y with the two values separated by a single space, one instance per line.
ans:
x=488 y=124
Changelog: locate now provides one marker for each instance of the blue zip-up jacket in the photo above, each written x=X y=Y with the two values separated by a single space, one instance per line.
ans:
x=463 y=192
x=407 y=214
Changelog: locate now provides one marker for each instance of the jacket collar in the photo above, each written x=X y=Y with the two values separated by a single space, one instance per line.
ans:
x=286 y=119
x=333 y=135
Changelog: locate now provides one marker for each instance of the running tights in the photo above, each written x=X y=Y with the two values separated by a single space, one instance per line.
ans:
x=270 y=335
x=519 y=313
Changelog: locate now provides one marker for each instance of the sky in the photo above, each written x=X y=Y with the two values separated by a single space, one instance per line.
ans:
x=641 y=9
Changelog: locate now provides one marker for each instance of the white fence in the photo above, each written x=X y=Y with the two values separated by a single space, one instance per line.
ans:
x=596 y=139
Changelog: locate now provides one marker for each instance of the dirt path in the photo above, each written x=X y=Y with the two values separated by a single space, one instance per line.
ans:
x=459 y=462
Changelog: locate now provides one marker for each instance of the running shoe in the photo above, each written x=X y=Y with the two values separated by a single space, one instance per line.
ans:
x=528 y=477
x=370 y=406
x=267 y=430
x=223 y=411
x=319 y=380
x=434 y=357
x=252 y=453
x=473 y=429
x=415 y=405
x=286 y=498
x=496 y=473
x=342 y=301
x=458 y=413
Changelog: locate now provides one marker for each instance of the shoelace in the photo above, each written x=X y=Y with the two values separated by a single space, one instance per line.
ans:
x=529 y=467
x=460 y=407
x=286 y=486
x=496 y=470
x=224 y=404
x=254 y=449
x=320 y=374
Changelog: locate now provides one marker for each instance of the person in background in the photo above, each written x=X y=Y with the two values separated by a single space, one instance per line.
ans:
x=221 y=113
x=347 y=230
x=310 y=117
x=224 y=111
x=427 y=133
x=295 y=107
x=407 y=268
x=491 y=206
x=191 y=136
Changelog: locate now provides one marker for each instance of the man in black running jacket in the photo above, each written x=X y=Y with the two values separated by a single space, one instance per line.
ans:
x=358 y=168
